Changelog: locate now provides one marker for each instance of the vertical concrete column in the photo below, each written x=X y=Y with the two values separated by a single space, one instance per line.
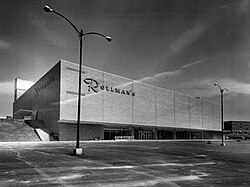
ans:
x=174 y=115
x=155 y=107
x=15 y=89
x=155 y=133
x=202 y=134
x=132 y=120
x=132 y=130
x=202 y=117
x=189 y=113
x=174 y=134
x=190 y=134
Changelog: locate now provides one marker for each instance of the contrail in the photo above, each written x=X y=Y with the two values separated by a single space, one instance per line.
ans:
x=194 y=63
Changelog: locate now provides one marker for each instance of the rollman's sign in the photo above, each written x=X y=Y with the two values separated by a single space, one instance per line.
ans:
x=95 y=86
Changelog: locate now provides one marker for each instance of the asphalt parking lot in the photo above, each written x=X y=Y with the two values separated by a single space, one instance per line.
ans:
x=134 y=163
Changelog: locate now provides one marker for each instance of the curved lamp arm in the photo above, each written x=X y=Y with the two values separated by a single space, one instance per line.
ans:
x=216 y=84
x=48 y=9
x=80 y=33
x=96 y=33
x=221 y=90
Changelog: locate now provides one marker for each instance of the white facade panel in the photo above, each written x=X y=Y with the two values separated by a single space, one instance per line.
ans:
x=144 y=108
x=164 y=107
x=117 y=101
x=195 y=113
x=181 y=111
x=217 y=117
x=207 y=109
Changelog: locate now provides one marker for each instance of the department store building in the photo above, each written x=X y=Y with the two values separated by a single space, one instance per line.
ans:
x=111 y=107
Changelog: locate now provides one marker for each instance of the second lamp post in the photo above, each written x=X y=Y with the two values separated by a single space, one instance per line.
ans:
x=222 y=122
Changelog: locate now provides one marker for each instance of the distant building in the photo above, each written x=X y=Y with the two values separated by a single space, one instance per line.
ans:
x=113 y=107
x=237 y=128
x=21 y=86
x=7 y=118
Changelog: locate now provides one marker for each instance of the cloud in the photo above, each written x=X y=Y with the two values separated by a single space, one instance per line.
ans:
x=179 y=71
x=7 y=87
x=4 y=44
x=51 y=36
x=236 y=86
x=205 y=87
x=188 y=37
x=168 y=74
x=243 y=6
x=173 y=73
x=39 y=23
x=194 y=63
x=161 y=75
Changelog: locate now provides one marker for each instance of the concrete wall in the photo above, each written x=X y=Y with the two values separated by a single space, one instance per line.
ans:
x=195 y=113
x=181 y=112
x=207 y=116
x=43 y=96
x=144 y=108
x=136 y=103
x=116 y=107
x=165 y=108
x=87 y=132
x=217 y=117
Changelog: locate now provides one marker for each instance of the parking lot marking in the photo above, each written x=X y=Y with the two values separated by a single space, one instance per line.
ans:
x=70 y=177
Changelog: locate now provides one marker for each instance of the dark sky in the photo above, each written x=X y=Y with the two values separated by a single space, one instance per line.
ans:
x=181 y=45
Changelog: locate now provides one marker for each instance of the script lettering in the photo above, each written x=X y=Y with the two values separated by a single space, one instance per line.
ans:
x=95 y=86
x=92 y=84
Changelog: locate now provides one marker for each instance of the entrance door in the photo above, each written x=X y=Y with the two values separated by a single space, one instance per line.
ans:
x=145 y=135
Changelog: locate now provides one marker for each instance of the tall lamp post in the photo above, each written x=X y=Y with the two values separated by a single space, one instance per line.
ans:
x=221 y=98
x=81 y=35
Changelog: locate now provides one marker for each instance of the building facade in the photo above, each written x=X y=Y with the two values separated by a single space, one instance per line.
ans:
x=113 y=106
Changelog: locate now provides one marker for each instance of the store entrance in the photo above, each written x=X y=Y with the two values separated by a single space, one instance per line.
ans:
x=111 y=132
x=145 y=135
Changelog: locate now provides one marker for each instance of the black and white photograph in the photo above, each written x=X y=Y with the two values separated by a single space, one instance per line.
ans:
x=125 y=93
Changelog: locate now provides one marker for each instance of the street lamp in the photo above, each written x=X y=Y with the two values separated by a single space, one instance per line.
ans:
x=81 y=35
x=221 y=94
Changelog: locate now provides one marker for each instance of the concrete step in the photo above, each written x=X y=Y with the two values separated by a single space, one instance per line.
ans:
x=16 y=130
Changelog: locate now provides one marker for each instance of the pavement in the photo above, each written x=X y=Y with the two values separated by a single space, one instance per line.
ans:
x=125 y=164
